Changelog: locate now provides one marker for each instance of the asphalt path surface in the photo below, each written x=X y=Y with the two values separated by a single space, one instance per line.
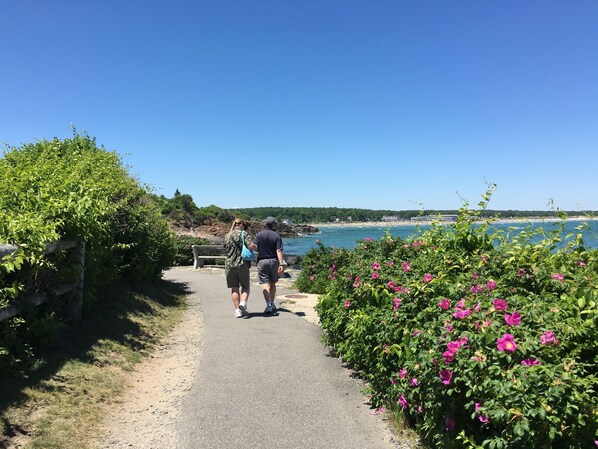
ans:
x=269 y=381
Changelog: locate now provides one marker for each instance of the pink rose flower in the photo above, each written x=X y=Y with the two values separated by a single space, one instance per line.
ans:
x=476 y=289
x=446 y=375
x=453 y=345
x=513 y=320
x=483 y=418
x=375 y=266
x=427 y=278
x=461 y=314
x=490 y=285
x=403 y=402
x=531 y=362
x=549 y=338
x=444 y=304
x=448 y=356
x=499 y=304
x=375 y=275
x=558 y=277
x=506 y=343
x=396 y=303
x=406 y=267
x=347 y=304
x=402 y=373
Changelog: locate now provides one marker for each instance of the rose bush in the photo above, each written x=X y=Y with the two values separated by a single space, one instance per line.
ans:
x=479 y=338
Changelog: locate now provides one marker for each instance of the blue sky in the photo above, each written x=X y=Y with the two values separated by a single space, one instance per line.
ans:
x=380 y=105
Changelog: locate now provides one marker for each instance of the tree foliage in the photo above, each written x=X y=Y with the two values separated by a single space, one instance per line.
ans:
x=182 y=209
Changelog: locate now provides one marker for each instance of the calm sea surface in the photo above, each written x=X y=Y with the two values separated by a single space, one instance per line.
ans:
x=347 y=237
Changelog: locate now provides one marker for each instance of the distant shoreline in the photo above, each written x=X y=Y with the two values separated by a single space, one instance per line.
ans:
x=392 y=224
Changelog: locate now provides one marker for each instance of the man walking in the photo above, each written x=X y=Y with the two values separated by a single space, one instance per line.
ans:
x=269 y=262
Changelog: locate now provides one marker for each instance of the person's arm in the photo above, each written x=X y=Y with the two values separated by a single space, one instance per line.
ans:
x=280 y=260
x=248 y=243
x=279 y=253
x=253 y=245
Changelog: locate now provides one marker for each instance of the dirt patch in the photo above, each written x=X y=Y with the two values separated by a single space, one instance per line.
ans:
x=146 y=415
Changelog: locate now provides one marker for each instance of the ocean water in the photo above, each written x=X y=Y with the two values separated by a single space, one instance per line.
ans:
x=348 y=236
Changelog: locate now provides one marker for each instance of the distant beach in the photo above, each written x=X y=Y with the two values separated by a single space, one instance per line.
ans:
x=386 y=224
x=347 y=234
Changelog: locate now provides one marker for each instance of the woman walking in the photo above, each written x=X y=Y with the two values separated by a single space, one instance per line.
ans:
x=237 y=269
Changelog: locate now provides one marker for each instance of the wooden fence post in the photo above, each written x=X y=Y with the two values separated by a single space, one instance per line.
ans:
x=77 y=307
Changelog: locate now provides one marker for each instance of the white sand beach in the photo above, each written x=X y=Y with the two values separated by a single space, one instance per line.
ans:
x=367 y=224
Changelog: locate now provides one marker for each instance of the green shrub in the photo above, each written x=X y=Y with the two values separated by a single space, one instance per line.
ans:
x=184 y=254
x=480 y=339
x=74 y=190
x=319 y=267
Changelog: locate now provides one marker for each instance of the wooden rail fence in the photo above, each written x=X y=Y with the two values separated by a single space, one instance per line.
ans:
x=35 y=299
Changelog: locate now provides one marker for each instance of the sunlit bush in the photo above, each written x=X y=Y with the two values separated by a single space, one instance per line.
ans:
x=72 y=189
x=477 y=338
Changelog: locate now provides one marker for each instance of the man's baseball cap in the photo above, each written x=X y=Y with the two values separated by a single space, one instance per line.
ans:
x=270 y=220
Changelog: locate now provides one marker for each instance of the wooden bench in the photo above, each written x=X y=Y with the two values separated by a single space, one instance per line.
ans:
x=203 y=252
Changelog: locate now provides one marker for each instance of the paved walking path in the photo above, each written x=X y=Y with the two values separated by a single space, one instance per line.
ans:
x=268 y=381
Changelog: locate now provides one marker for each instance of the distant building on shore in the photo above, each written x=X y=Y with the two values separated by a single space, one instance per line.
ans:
x=390 y=218
x=445 y=218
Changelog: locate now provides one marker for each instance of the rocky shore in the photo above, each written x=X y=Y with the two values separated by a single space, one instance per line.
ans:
x=214 y=231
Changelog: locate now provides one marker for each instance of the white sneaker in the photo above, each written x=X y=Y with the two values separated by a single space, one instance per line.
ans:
x=238 y=313
x=243 y=309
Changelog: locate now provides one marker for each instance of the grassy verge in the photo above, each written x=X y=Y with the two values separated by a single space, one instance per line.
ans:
x=62 y=402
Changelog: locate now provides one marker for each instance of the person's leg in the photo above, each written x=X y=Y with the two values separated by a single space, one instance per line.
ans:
x=263 y=279
x=245 y=287
x=232 y=282
x=244 y=295
x=234 y=294
x=273 y=295
x=273 y=278
x=266 y=292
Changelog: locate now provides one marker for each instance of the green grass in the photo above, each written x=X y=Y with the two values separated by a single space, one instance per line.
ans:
x=63 y=401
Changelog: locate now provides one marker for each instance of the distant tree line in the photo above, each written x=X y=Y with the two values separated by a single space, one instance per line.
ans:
x=332 y=214
x=182 y=208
